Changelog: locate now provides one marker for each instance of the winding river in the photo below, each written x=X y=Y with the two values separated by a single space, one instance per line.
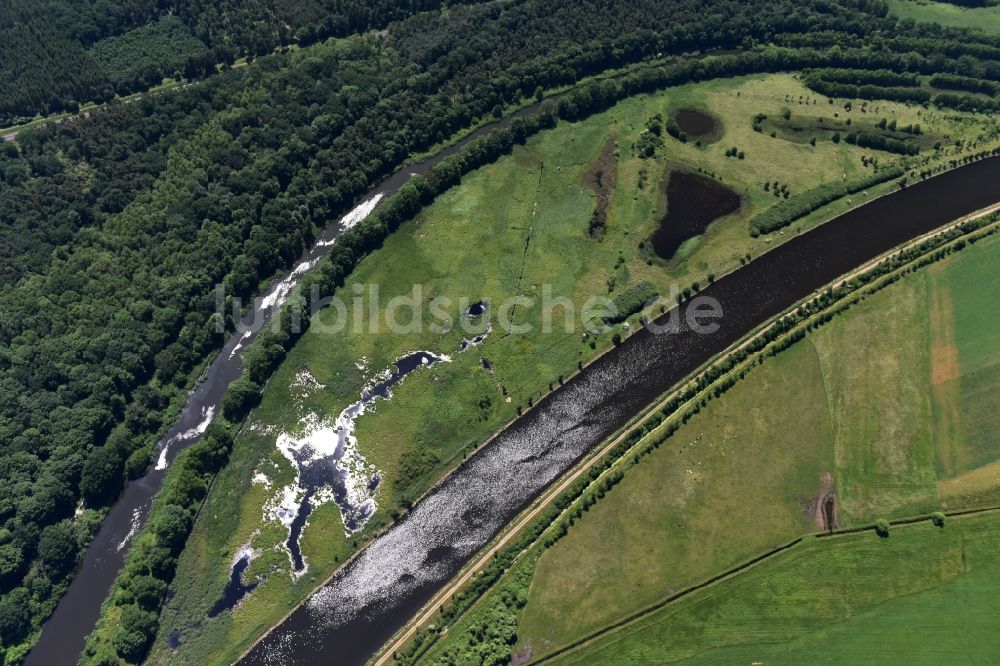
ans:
x=64 y=633
x=346 y=621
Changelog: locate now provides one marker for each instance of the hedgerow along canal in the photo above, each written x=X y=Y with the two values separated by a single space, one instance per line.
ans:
x=347 y=620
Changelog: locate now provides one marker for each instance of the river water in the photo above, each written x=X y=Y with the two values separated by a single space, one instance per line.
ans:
x=64 y=633
x=364 y=604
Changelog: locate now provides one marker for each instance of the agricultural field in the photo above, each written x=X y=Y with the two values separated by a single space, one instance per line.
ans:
x=512 y=227
x=924 y=595
x=885 y=412
x=986 y=18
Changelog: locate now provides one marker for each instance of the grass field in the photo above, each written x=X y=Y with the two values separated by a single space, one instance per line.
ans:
x=860 y=399
x=855 y=409
x=924 y=595
x=509 y=229
x=986 y=19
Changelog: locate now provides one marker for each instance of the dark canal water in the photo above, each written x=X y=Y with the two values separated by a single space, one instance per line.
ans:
x=347 y=621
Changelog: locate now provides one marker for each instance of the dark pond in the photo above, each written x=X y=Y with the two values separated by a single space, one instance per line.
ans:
x=696 y=124
x=365 y=603
x=235 y=588
x=693 y=202
x=477 y=309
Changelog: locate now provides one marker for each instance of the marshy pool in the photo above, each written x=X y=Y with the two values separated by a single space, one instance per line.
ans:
x=697 y=124
x=693 y=202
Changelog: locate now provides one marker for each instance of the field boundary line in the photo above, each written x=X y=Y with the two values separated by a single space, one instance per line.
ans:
x=745 y=566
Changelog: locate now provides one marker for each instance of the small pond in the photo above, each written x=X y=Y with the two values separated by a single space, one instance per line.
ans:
x=696 y=124
x=693 y=202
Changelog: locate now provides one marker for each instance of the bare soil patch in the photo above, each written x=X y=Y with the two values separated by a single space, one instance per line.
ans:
x=600 y=178
x=823 y=505
x=945 y=388
x=521 y=657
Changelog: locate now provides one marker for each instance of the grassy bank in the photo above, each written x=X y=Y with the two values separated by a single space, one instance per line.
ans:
x=510 y=228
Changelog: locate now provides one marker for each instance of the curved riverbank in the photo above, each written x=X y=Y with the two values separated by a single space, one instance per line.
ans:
x=64 y=633
x=367 y=601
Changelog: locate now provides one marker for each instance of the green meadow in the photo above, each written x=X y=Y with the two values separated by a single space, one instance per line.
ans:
x=924 y=595
x=986 y=19
x=508 y=230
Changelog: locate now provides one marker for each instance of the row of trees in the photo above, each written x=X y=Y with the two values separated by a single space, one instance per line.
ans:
x=965 y=83
x=881 y=142
x=788 y=210
x=858 y=77
x=818 y=80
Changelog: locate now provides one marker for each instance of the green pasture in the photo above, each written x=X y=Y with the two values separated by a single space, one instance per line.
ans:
x=986 y=19
x=924 y=595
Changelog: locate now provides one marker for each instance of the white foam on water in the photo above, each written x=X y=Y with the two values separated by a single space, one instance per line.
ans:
x=206 y=418
x=239 y=345
x=136 y=514
x=360 y=212
x=277 y=294
x=319 y=439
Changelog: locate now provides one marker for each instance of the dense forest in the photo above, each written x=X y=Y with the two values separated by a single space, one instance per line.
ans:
x=115 y=228
x=56 y=54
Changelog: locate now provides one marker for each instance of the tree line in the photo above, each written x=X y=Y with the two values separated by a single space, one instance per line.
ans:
x=787 y=211
x=57 y=54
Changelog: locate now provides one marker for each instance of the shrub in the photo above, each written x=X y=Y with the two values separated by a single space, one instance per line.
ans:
x=242 y=396
x=789 y=210
x=102 y=474
x=15 y=616
x=631 y=301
